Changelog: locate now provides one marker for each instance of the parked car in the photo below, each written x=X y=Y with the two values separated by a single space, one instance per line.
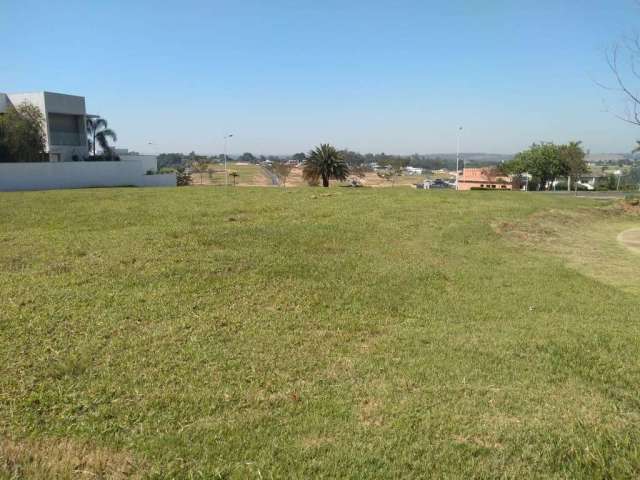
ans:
x=438 y=183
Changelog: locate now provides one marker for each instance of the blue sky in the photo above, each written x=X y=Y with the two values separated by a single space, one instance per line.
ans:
x=392 y=76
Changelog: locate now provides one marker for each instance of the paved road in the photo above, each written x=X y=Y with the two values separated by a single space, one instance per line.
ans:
x=272 y=176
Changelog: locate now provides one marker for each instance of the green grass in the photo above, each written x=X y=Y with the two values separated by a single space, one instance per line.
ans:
x=300 y=333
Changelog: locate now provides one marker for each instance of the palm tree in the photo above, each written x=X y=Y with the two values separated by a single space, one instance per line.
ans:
x=637 y=149
x=98 y=132
x=325 y=162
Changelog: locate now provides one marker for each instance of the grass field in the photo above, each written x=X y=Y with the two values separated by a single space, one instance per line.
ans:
x=309 y=333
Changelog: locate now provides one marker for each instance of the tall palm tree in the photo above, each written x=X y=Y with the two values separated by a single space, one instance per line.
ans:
x=99 y=132
x=325 y=162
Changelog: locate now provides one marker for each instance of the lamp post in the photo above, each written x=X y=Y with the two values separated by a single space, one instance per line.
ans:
x=226 y=172
x=458 y=159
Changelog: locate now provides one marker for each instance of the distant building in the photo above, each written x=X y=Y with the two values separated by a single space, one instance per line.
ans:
x=65 y=119
x=482 y=178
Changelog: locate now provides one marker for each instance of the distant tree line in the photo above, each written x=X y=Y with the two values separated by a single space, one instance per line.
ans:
x=353 y=159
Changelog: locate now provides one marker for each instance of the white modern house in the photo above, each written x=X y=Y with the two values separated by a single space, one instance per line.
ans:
x=67 y=148
x=65 y=122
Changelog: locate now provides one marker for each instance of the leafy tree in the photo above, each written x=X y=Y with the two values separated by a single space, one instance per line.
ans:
x=247 y=158
x=99 y=133
x=233 y=174
x=183 y=177
x=200 y=168
x=353 y=158
x=170 y=159
x=299 y=157
x=634 y=174
x=22 y=135
x=542 y=161
x=573 y=156
x=325 y=162
x=282 y=170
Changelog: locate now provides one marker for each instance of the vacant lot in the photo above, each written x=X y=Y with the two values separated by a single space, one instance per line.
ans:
x=352 y=333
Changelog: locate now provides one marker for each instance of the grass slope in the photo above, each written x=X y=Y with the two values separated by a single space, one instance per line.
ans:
x=272 y=333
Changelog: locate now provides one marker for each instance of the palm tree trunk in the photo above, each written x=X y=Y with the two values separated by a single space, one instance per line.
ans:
x=325 y=180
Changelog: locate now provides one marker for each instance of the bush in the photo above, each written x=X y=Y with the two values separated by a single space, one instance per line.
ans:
x=633 y=200
x=183 y=178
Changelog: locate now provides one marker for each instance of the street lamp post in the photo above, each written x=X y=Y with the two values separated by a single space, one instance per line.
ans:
x=226 y=172
x=458 y=159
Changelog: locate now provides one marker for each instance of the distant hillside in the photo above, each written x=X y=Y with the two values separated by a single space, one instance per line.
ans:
x=477 y=158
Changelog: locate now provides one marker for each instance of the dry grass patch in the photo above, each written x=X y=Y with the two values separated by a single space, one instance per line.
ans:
x=631 y=239
x=588 y=240
x=64 y=459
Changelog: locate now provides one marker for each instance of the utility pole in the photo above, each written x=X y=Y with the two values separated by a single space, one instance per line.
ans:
x=458 y=159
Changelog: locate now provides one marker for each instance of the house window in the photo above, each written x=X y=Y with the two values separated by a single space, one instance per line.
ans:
x=66 y=130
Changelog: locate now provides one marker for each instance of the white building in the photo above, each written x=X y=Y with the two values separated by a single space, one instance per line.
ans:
x=65 y=122
x=413 y=171
x=67 y=145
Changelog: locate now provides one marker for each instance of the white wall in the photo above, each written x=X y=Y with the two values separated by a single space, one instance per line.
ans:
x=149 y=162
x=4 y=102
x=53 y=175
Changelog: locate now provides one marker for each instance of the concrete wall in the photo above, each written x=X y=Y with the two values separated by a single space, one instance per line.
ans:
x=53 y=175
x=149 y=162
x=4 y=102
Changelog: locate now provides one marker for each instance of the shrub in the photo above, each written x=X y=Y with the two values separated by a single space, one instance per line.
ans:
x=183 y=178
x=633 y=200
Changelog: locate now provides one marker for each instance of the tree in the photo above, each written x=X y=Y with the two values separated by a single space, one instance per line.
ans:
x=542 y=161
x=200 y=168
x=99 y=133
x=282 y=170
x=573 y=156
x=170 y=159
x=623 y=60
x=325 y=162
x=546 y=162
x=299 y=157
x=233 y=174
x=353 y=158
x=247 y=158
x=183 y=177
x=22 y=135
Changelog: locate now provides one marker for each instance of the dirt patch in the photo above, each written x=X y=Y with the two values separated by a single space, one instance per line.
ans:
x=64 y=459
x=631 y=239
